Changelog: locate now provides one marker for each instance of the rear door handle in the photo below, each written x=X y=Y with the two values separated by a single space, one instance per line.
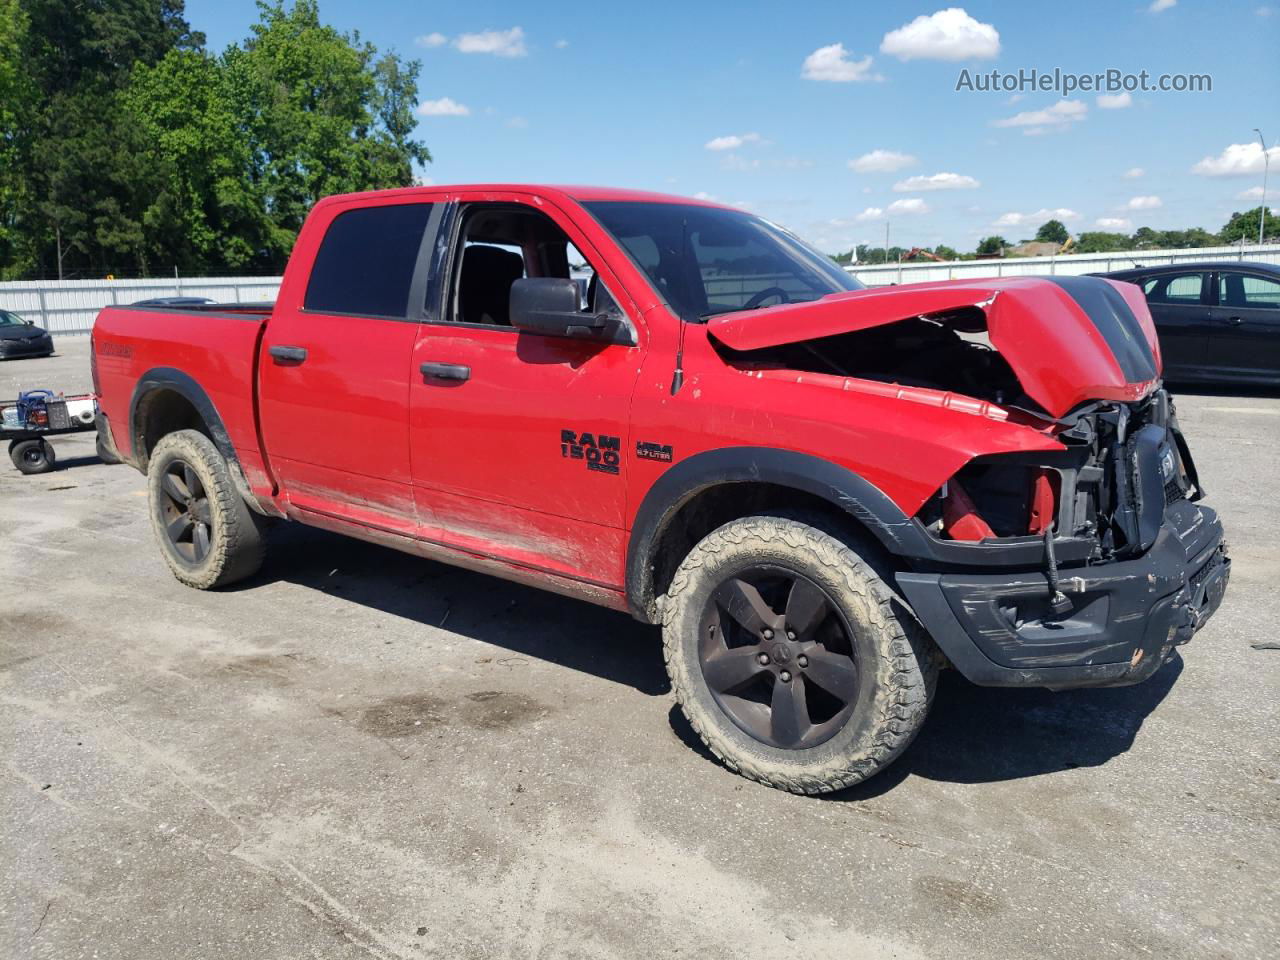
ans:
x=445 y=371
x=1234 y=321
x=285 y=356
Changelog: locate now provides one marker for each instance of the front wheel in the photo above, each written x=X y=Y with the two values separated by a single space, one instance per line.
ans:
x=790 y=658
x=207 y=534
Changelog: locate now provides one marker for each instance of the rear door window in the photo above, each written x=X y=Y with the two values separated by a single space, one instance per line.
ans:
x=366 y=262
x=1183 y=288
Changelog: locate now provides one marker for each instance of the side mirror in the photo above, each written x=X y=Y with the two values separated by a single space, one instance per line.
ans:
x=549 y=305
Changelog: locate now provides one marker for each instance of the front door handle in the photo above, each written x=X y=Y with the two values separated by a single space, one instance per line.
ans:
x=285 y=356
x=445 y=371
x=1234 y=321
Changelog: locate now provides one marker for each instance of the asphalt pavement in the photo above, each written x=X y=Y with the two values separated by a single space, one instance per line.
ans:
x=360 y=753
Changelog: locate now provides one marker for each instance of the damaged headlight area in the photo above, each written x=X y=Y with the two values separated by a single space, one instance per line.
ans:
x=1123 y=466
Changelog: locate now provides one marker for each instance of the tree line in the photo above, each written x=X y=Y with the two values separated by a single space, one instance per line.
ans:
x=128 y=148
x=1241 y=226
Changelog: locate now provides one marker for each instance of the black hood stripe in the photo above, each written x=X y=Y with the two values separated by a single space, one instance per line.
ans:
x=1118 y=325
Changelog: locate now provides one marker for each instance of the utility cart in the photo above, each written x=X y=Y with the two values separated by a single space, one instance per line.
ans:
x=28 y=422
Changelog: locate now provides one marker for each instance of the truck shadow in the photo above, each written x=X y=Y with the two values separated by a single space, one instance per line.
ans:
x=987 y=735
x=521 y=621
x=973 y=734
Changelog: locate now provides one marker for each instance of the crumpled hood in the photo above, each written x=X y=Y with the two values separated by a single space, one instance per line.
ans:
x=1069 y=339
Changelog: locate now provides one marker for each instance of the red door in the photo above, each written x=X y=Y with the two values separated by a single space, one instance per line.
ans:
x=518 y=439
x=334 y=375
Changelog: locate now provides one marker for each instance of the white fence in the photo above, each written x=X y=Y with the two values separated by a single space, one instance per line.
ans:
x=1072 y=264
x=69 y=306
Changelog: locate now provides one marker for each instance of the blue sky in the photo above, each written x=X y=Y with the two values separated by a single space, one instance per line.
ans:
x=754 y=104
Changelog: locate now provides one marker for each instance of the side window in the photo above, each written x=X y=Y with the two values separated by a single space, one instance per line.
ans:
x=365 y=263
x=502 y=243
x=1245 y=290
x=1181 y=289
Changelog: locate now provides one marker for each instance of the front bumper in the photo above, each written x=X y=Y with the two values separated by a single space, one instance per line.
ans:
x=31 y=347
x=1125 y=617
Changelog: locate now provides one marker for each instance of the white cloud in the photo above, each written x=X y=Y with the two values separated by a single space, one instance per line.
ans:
x=733 y=161
x=832 y=65
x=939 y=181
x=1253 y=193
x=1114 y=101
x=912 y=205
x=1237 y=160
x=1035 y=218
x=1144 y=203
x=1134 y=173
x=871 y=213
x=1015 y=97
x=882 y=161
x=431 y=40
x=500 y=43
x=1159 y=5
x=444 y=107
x=732 y=141
x=949 y=34
x=561 y=44
x=1264 y=11
x=1057 y=117
x=1114 y=223
x=518 y=123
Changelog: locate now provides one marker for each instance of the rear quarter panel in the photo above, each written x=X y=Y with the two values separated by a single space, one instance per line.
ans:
x=217 y=351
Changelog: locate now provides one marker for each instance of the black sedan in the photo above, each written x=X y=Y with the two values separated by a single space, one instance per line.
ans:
x=1218 y=322
x=22 y=338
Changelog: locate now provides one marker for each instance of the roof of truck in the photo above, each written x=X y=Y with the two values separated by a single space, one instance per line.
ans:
x=581 y=194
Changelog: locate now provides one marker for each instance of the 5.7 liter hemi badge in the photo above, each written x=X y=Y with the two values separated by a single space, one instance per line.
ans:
x=602 y=453
x=648 y=450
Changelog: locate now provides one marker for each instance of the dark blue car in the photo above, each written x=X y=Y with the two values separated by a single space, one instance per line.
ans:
x=22 y=338
x=1218 y=322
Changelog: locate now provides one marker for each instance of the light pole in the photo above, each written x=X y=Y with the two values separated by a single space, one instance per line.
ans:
x=1266 y=166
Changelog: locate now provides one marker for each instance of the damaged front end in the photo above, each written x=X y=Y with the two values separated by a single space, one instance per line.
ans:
x=1081 y=565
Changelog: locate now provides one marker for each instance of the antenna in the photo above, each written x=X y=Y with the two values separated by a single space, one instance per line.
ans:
x=677 y=376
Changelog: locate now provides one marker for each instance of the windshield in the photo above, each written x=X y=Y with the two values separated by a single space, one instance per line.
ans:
x=707 y=260
x=9 y=319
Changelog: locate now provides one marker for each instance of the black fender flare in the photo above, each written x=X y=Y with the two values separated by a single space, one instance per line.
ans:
x=839 y=486
x=183 y=384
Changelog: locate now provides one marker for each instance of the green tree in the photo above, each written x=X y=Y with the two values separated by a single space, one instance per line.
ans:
x=1052 y=231
x=994 y=244
x=1098 y=241
x=1244 y=226
x=15 y=100
x=125 y=147
x=323 y=114
x=945 y=252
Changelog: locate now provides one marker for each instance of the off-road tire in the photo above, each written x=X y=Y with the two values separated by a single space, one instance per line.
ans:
x=898 y=668
x=236 y=545
x=33 y=456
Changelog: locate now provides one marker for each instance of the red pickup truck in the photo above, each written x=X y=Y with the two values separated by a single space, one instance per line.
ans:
x=823 y=493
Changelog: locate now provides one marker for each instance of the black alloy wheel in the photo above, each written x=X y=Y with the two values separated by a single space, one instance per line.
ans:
x=184 y=511
x=778 y=656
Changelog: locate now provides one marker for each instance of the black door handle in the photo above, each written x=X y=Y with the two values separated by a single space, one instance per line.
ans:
x=446 y=371
x=288 y=355
x=1234 y=321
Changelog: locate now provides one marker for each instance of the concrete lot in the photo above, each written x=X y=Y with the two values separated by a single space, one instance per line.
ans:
x=364 y=754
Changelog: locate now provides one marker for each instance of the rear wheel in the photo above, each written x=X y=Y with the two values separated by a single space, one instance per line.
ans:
x=790 y=657
x=33 y=456
x=207 y=534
